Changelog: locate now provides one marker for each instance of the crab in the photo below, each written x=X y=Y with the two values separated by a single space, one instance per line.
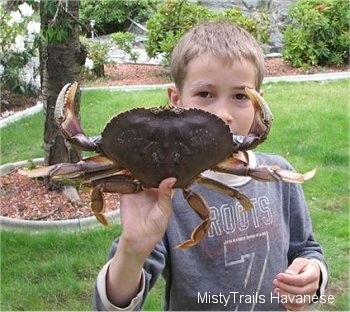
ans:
x=141 y=147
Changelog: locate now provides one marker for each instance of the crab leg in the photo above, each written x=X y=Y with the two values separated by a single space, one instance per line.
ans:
x=121 y=184
x=263 y=172
x=199 y=205
x=223 y=188
x=275 y=173
x=72 y=170
x=97 y=204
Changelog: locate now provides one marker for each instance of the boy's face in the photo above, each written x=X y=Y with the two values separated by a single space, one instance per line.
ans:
x=218 y=87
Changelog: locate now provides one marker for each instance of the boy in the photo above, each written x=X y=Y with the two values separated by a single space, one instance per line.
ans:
x=255 y=260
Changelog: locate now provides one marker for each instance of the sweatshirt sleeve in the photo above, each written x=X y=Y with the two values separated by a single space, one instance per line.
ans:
x=153 y=267
x=101 y=301
x=302 y=241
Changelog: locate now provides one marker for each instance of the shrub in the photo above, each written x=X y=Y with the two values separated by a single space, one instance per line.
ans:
x=110 y=16
x=18 y=48
x=171 y=20
x=97 y=53
x=318 y=33
x=125 y=41
x=175 y=17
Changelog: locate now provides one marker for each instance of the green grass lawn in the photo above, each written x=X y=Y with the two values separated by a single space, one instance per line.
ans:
x=51 y=271
x=55 y=271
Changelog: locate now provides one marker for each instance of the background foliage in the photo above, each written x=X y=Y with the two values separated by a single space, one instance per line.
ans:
x=173 y=18
x=318 y=33
x=111 y=16
x=18 y=46
x=97 y=52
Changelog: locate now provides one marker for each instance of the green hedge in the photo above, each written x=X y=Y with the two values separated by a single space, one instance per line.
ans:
x=318 y=34
x=175 y=17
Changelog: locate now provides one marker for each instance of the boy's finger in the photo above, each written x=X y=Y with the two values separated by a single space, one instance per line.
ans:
x=297 y=266
x=165 y=192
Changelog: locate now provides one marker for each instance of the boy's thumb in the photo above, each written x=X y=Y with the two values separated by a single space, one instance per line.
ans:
x=165 y=191
x=297 y=266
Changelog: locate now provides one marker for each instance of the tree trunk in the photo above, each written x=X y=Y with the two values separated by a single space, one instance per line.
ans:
x=60 y=64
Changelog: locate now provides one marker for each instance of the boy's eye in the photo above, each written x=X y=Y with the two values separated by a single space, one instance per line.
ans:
x=241 y=96
x=204 y=94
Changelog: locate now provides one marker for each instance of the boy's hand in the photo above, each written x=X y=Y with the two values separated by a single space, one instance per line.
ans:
x=145 y=216
x=301 y=278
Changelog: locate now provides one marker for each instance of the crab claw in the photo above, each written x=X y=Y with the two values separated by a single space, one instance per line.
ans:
x=67 y=120
x=262 y=109
x=261 y=125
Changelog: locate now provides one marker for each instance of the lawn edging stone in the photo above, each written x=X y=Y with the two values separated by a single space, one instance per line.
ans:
x=77 y=224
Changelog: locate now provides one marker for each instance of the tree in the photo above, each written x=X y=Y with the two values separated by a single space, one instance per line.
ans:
x=61 y=56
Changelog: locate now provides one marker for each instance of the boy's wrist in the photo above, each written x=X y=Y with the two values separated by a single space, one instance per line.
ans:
x=135 y=249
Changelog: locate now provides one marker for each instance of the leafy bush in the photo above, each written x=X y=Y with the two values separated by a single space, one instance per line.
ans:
x=171 y=20
x=18 y=49
x=110 y=16
x=318 y=33
x=97 y=53
x=175 y=17
x=125 y=41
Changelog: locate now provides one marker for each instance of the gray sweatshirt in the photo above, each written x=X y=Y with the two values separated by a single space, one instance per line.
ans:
x=234 y=266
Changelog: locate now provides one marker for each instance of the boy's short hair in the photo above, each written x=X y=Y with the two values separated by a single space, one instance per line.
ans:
x=222 y=39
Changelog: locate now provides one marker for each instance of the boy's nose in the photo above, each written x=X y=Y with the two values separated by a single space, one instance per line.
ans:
x=224 y=114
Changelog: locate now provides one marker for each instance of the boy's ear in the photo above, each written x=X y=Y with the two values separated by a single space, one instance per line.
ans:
x=173 y=96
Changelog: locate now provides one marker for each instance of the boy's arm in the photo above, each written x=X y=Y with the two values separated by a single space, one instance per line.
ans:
x=144 y=218
x=124 y=269
x=152 y=269
x=101 y=301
